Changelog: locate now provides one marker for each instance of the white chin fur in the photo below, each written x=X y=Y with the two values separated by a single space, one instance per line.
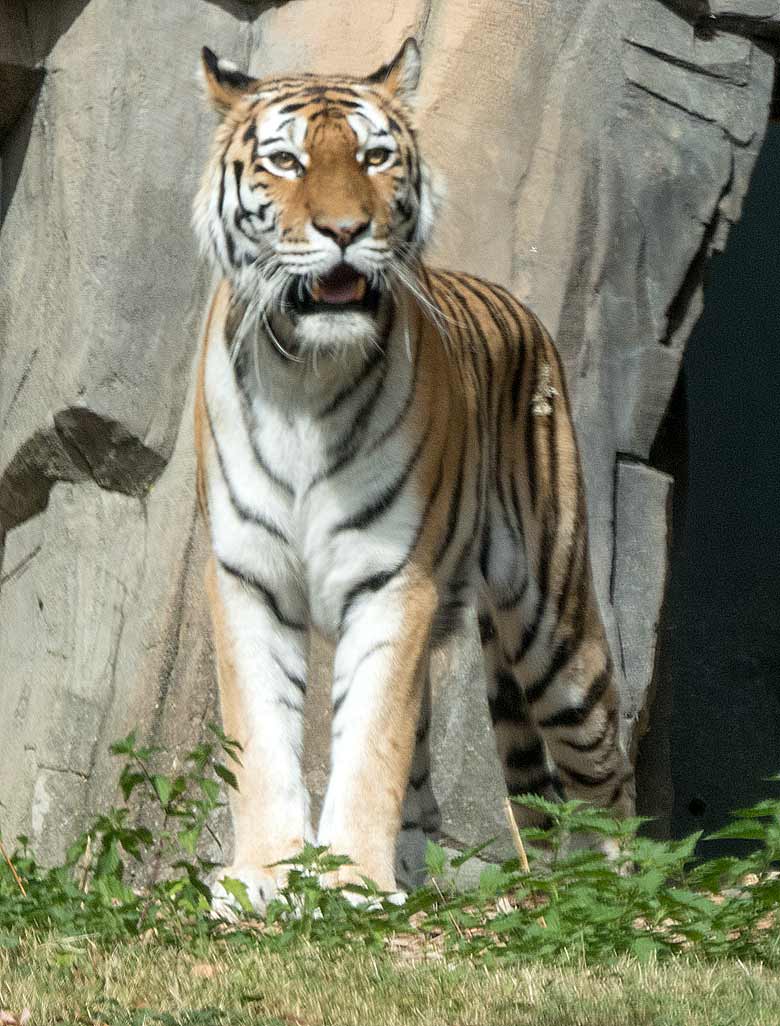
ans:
x=331 y=332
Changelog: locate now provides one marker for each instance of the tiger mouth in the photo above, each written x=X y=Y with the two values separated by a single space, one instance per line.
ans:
x=343 y=288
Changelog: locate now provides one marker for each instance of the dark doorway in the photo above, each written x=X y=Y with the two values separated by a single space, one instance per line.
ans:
x=722 y=634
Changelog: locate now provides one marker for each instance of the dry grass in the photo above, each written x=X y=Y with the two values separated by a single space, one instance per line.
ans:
x=69 y=982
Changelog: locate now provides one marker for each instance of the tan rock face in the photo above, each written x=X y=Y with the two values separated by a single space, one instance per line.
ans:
x=594 y=153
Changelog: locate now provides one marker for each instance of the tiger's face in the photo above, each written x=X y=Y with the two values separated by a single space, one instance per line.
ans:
x=316 y=202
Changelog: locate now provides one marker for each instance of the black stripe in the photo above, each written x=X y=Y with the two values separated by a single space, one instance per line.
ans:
x=293 y=678
x=250 y=132
x=401 y=416
x=507 y=705
x=337 y=704
x=242 y=511
x=383 y=502
x=515 y=530
x=278 y=481
x=513 y=600
x=569 y=645
x=585 y=779
x=289 y=704
x=484 y=549
x=537 y=785
x=519 y=340
x=619 y=789
x=517 y=380
x=242 y=213
x=270 y=599
x=565 y=650
x=221 y=204
x=238 y=170
x=545 y=557
x=519 y=758
x=420 y=780
x=292 y=107
x=496 y=316
x=487 y=629
x=591 y=746
x=483 y=372
x=576 y=715
x=349 y=444
x=230 y=243
x=259 y=458
x=530 y=427
x=428 y=505
x=478 y=521
x=371 y=584
x=455 y=501
x=353 y=386
x=517 y=527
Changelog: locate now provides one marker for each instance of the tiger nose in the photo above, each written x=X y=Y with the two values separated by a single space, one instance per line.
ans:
x=342 y=231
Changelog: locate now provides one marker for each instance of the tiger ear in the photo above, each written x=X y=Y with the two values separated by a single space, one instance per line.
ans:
x=225 y=84
x=402 y=74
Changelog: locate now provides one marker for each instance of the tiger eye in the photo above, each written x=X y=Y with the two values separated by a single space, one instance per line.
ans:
x=285 y=161
x=375 y=156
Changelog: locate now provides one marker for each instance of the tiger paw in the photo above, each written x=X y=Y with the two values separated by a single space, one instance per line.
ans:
x=353 y=883
x=260 y=886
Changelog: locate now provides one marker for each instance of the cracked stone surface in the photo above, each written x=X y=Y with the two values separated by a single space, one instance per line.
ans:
x=593 y=170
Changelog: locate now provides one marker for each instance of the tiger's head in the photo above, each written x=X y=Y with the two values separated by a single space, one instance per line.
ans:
x=316 y=202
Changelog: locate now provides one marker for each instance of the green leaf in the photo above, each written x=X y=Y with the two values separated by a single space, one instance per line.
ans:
x=493 y=881
x=688 y=899
x=188 y=839
x=470 y=853
x=126 y=746
x=162 y=786
x=210 y=788
x=435 y=859
x=761 y=810
x=129 y=779
x=740 y=830
x=227 y=775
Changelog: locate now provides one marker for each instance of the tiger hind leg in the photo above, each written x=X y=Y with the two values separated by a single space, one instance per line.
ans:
x=556 y=725
x=525 y=760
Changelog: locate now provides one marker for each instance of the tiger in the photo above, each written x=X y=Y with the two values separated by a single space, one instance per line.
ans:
x=383 y=450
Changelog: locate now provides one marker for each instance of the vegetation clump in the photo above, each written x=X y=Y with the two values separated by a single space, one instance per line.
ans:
x=653 y=900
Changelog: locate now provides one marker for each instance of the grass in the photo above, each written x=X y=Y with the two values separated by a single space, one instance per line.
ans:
x=655 y=937
x=76 y=981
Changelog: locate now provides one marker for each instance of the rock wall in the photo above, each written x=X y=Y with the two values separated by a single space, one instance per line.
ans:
x=595 y=154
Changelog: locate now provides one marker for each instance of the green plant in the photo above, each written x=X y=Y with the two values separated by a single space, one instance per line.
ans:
x=92 y=891
x=651 y=901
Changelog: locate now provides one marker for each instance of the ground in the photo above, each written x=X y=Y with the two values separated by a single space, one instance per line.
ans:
x=73 y=981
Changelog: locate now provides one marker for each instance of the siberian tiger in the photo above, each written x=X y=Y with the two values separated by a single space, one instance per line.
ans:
x=380 y=446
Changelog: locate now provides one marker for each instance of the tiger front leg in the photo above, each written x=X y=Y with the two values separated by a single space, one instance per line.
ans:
x=261 y=660
x=380 y=672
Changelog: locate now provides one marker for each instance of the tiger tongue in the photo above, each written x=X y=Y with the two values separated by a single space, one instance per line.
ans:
x=344 y=285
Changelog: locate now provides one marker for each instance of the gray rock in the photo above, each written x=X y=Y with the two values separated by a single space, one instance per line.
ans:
x=592 y=169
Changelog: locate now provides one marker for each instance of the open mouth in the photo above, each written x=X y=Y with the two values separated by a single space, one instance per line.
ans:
x=343 y=288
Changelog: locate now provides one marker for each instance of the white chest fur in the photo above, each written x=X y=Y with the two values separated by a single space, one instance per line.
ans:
x=297 y=476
